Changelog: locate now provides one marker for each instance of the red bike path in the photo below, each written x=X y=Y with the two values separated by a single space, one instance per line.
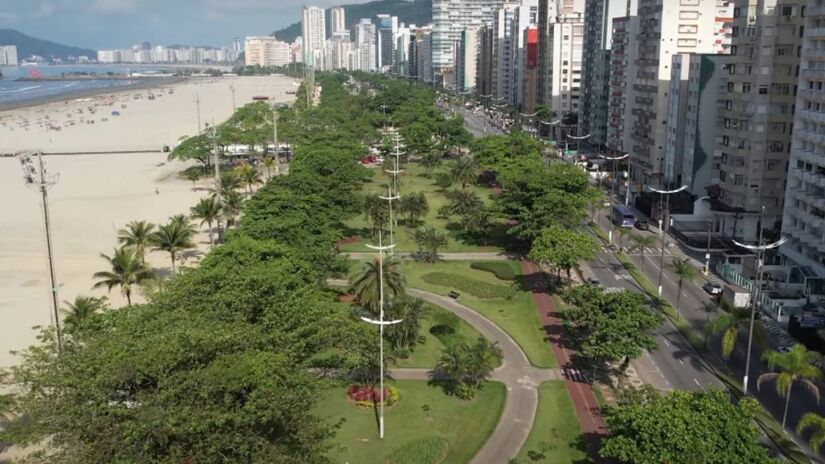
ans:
x=584 y=401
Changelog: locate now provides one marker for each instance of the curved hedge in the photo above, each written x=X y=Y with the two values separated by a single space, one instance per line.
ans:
x=474 y=287
x=501 y=269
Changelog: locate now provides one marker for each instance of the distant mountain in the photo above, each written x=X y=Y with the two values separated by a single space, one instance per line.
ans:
x=418 y=12
x=28 y=46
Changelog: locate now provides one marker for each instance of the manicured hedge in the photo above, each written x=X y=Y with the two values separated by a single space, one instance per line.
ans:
x=502 y=269
x=429 y=450
x=477 y=288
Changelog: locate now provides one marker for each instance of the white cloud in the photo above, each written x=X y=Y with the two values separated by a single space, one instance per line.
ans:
x=114 y=6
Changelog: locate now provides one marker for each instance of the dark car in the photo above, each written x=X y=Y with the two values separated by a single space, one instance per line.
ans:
x=594 y=281
x=712 y=288
x=641 y=224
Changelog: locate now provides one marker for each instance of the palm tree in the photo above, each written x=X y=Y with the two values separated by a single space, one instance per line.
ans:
x=430 y=161
x=230 y=181
x=410 y=311
x=269 y=162
x=366 y=283
x=464 y=171
x=642 y=242
x=81 y=309
x=464 y=203
x=816 y=422
x=429 y=241
x=682 y=268
x=136 y=237
x=249 y=176
x=376 y=211
x=174 y=238
x=415 y=206
x=797 y=365
x=729 y=324
x=232 y=206
x=622 y=233
x=193 y=176
x=208 y=210
x=127 y=272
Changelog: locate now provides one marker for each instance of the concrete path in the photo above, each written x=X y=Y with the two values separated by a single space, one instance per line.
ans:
x=468 y=256
x=516 y=373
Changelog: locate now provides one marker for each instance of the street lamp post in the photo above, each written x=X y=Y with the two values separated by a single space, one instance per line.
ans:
x=37 y=177
x=578 y=140
x=707 y=250
x=756 y=294
x=612 y=191
x=663 y=224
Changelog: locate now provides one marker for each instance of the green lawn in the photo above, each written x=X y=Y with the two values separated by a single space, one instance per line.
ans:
x=458 y=427
x=555 y=430
x=517 y=316
x=413 y=180
x=426 y=353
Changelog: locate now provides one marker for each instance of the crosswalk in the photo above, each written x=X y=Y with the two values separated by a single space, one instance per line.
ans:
x=574 y=375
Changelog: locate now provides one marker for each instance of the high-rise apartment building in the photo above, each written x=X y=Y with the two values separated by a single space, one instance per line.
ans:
x=401 y=63
x=665 y=28
x=560 y=89
x=508 y=50
x=467 y=62
x=530 y=86
x=386 y=30
x=598 y=40
x=804 y=214
x=421 y=53
x=484 y=69
x=341 y=47
x=367 y=45
x=758 y=115
x=450 y=17
x=549 y=14
x=266 y=51
x=313 y=32
x=337 y=19
x=8 y=55
x=623 y=56
x=691 y=157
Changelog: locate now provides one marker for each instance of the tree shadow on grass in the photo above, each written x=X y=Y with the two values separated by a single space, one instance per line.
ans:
x=590 y=443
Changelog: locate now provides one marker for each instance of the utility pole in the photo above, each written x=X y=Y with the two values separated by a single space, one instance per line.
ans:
x=275 y=139
x=663 y=225
x=612 y=192
x=198 y=106
x=217 y=161
x=380 y=322
x=757 y=291
x=707 y=250
x=37 y=177
x=395 y=187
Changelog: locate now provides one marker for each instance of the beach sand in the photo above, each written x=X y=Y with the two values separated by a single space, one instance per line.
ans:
x=98 y=194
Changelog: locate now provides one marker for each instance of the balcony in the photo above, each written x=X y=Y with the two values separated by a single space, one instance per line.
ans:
x=814 y=73
x=815 y=11
x=815 y=32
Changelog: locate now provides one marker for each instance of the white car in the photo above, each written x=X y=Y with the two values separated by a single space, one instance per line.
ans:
x=712 y=288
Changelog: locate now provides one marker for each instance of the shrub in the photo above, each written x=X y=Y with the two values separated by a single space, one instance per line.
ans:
x=444 y=323
x=368 y=397
x=465 y=284
x=422 y=451
x=501 y=269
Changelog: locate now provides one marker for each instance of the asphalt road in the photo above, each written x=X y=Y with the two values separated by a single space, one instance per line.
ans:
x=692 y=300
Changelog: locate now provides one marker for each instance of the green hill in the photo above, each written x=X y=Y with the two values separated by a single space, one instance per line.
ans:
x=418 y=12
x=28 y=46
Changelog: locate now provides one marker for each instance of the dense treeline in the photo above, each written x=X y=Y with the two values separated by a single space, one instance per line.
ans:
x=225 y=361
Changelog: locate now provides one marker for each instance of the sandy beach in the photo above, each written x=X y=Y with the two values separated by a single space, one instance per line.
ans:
x=98 y=194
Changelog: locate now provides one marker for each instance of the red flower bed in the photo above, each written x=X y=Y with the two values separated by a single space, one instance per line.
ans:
x=363 y=393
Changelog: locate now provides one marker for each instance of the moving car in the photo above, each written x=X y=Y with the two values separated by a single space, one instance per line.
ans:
x=712 y=288
x=594 y=281
x=641 y=224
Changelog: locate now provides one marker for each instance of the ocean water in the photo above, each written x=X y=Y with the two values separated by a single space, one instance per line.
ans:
x=13 y=91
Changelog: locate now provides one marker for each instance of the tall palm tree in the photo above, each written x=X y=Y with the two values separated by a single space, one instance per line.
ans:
x=463 y=203
x=81 y=309
x=127 y=272
x=415 y=206
x=622 y=233
x=230 y=181
x=208 y=210
x=249 y=176
x=232 y=206
x=797 y=365
x=430 y=161
x=682 y=268
x=193 y=176
x=366 y=283
x=173 y=238
x=429 y=241
x=410 y=311
x=465 y=171
x=815 y=422
x=136 y=237
x=642 y=243
x=269 y=162
x=729 y=324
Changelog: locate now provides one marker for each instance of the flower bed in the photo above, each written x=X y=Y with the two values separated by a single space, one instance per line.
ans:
x=368 y=397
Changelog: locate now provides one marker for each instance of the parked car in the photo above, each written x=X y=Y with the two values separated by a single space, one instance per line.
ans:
x=594 y=281
x=641 y=224
x=783 y=349
x=712 y=288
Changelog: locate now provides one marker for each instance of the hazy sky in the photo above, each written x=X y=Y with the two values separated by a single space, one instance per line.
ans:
x=100 y=24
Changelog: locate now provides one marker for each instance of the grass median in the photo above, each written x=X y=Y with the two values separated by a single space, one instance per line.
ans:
x=556 y=435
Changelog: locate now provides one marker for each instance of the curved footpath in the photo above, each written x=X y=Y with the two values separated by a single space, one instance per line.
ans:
x=516 y=373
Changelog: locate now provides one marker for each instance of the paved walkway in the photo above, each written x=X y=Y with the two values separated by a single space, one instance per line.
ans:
x=468 y=256
x=515 y=372
x=584 y=401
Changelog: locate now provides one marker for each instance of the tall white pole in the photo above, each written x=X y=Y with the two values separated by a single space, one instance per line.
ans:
x=381 y=332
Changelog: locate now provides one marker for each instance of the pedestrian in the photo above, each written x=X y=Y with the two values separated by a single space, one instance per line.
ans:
x=157 y=192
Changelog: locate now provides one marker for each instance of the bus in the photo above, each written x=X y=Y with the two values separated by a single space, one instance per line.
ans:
x=622 y=216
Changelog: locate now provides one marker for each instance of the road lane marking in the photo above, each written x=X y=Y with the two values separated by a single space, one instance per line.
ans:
x=680 y=361
x=697 y=382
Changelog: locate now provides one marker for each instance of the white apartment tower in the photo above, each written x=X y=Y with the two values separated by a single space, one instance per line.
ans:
x=266 y=51
x=666 y=27
x=804 y=214
x=450 y=18
x=8 y=55
x=758 y=115
x=367 y=45
x=313 y=32
x=621 y=94
x=337 y=19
